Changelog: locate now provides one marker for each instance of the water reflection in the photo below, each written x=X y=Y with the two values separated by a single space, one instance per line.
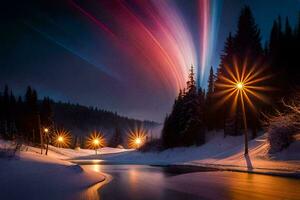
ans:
x=252 y=186
x=92 y=193
x=146 y=182
x=96 y=168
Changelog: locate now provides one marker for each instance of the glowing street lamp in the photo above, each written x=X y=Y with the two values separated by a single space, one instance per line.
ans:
x=138 y=142
x=46 y=130
x=46 y=133
x=242 y=85
x=61 y=138
x=136 y=138
x=95 y=140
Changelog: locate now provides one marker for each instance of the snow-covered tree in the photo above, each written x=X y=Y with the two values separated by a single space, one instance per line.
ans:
x=282 y=127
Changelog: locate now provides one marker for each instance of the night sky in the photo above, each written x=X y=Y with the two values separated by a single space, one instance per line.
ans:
x=131 y=57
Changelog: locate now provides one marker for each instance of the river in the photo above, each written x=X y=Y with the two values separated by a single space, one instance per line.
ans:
x=139 y=182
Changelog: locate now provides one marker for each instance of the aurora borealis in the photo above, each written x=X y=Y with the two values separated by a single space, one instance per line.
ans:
x=127 y=56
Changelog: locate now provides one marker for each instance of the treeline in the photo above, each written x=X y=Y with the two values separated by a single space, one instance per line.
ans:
x=196 y=111
x=282 y=54
x=25 y=117
x=81 y=120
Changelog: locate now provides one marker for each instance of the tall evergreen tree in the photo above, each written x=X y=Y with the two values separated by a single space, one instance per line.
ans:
x=209 y=101
x=116 y=138
x=47 y=115
x=32 y=116
x=247 y=39
x=184 y=126
x=226 y=60
x=242 y=50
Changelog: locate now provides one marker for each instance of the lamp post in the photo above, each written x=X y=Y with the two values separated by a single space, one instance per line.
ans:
x=95 y=140
x=61 y=138
x=46 y=133
x=240 y=88
x=96 y=143
x=244 y=84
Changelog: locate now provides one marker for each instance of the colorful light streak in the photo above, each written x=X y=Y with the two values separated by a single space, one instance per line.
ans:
x=209 y=14
x=152 y=36
x=159 y=38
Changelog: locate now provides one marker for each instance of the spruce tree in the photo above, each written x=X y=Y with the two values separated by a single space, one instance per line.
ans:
x=184 y=126
x=116 y=138
x=209 y=103
x=226 y=60
x=247 y=39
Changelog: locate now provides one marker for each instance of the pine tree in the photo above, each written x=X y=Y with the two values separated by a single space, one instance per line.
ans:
x=5 y=113
x=247 y=38
x=184 y=126
x=116 y=138
x=47 y=114
x=32 y=116
x=47 y=121
x=226 y=60
x=244 y=46
x=209 y=103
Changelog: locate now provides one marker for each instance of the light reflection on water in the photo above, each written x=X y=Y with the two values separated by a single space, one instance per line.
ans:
x=92 y=192
x=146 y=182
x=252 y=186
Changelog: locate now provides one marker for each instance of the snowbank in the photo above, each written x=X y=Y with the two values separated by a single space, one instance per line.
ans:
x=31 y=175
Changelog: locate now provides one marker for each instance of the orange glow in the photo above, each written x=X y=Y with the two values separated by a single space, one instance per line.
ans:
x=62 y=138
x=240 y=85
x=95 y=140
x=136 y=138
x=46 y=130
x=244 y=84
x=138 y=141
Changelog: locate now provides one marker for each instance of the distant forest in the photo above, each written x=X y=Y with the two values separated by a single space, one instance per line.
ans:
x=25 y=117
x=82 y=119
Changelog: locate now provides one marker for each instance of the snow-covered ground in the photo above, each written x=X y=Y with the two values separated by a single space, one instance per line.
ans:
x=32 y=175
x=219 y=152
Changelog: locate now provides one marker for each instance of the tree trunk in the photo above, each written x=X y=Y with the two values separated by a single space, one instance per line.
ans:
x=41 y=133
x=47 y=145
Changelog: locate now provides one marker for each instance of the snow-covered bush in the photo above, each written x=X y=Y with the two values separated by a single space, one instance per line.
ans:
x=280 y=132
x=282 y=127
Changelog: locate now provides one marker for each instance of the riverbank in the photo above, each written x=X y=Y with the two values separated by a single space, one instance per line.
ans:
x=220 y=153
x=30 y=175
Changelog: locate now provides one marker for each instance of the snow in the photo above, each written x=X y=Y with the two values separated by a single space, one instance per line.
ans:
x=32 y=175
x=63 y=153
x=219 y=152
